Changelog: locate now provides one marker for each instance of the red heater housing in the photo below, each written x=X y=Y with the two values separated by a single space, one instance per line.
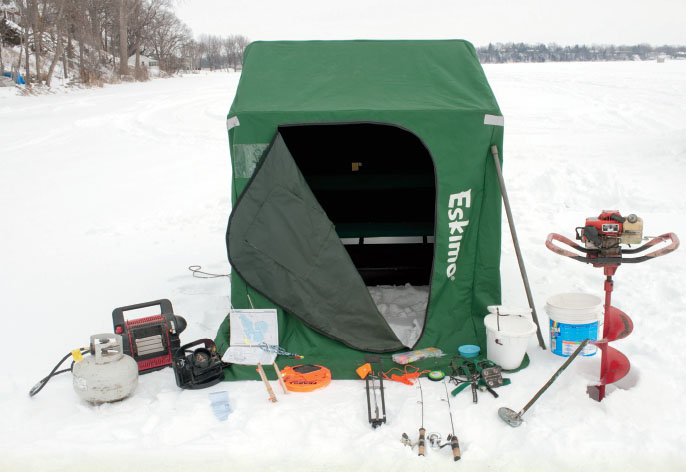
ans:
x=151 y=340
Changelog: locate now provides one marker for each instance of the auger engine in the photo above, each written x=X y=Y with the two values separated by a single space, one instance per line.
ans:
x=608 y=231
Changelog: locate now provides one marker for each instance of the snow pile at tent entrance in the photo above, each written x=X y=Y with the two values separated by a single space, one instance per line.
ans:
x=403 y=308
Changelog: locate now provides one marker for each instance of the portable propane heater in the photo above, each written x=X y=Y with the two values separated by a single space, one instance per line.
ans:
x=603 y=238
x=151 y=340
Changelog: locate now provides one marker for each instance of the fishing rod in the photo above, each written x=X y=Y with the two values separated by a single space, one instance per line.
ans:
x=435 y=438
x=422 y=431
x=454 y=444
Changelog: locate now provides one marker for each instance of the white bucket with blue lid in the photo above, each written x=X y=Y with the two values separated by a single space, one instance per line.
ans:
x=507 y=335
x=573 y=318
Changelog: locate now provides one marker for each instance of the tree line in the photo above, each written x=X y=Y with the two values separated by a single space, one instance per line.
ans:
x=93 y=39
x=522 y=52
x=218 y=52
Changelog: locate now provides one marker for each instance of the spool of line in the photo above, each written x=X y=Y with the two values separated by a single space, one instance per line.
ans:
x=436 y=375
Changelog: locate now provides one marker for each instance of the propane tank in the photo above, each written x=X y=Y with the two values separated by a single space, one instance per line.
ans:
x=107 y=375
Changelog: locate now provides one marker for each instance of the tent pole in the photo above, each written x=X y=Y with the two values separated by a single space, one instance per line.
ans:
x=513 y=232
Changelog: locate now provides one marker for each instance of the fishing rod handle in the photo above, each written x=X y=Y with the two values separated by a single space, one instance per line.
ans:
x=420 y=443
x=456 y=448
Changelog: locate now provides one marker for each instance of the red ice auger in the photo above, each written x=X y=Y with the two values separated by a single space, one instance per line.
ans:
x=603 y=238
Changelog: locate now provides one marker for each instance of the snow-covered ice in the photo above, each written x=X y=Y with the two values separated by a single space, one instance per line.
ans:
x=108 y=195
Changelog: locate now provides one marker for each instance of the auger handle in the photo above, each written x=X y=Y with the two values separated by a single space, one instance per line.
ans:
x=455 y=445
x=561 y=251
x=420 y=443
x=672 y=237
x=656 y=240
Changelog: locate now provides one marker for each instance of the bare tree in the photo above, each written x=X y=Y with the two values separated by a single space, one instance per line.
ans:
x=191 y=52
x=123 y=44
x=220 y=52
x=141 y=19
x=58 y=40
x=91 y=35
x=37 y=36
x=168 y=37
x=23 y=7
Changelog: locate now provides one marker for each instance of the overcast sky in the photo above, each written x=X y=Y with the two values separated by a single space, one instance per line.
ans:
x=655 y=22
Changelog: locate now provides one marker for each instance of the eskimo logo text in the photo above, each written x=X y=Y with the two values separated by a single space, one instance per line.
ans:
x=456 y=205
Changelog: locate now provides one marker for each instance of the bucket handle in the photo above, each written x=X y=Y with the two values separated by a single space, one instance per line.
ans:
x=498 y=315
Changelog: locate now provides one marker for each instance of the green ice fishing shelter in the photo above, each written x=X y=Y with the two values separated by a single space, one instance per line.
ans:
x=358 y=164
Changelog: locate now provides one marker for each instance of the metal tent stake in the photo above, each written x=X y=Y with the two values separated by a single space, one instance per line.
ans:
x=513 y=232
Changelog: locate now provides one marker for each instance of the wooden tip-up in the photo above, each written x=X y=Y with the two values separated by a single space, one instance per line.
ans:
x=260 y=370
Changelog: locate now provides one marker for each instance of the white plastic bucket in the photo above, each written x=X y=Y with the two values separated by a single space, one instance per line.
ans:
x=573 y=318
x=507 y=337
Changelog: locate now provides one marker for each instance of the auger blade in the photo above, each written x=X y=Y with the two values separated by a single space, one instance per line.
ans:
x=621 y=325
x=617 y=366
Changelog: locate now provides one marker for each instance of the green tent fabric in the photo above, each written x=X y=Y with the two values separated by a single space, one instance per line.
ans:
x=363 y=139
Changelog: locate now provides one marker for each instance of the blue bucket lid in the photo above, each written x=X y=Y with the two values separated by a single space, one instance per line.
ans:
x=469 y=350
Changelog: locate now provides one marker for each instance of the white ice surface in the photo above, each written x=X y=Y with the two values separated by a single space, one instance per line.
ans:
x=107 y=195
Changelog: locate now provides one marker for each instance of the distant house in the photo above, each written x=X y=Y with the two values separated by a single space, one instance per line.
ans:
x=145 y=61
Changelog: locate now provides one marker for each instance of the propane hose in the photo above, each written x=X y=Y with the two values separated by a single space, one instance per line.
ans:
x=41 y=383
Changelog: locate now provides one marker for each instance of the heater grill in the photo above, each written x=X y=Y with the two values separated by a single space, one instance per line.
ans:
x=150 y=345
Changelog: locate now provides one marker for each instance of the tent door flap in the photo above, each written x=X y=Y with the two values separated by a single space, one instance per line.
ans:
x=284 y=246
